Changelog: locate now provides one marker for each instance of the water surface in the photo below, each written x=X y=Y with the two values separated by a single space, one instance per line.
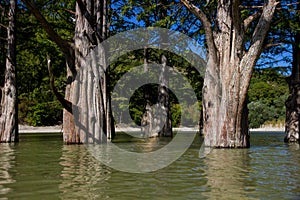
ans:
x=41 y=167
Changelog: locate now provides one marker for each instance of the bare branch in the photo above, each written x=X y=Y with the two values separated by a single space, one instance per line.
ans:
x=261 y=7
x=69 y=11
x=65 y=103
x=250 y=19
x=2 y=25
x=254 y=7
x=291 y=4
x=207 y=27
x=272 y=45
x=65 y=47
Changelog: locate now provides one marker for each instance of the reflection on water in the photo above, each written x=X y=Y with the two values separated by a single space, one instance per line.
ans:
x=41 y=167
x=81 y=173
x=228 y=176
x=7 y=158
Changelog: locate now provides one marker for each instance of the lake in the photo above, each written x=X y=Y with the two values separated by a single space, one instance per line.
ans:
x=40 y=166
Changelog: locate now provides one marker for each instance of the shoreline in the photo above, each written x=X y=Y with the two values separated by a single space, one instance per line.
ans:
x=59 y=129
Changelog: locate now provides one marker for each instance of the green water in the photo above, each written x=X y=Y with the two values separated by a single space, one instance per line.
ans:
x=41 y=167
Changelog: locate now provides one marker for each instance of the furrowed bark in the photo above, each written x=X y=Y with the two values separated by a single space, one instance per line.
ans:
x=228 y=72
x=9 y=104
x=293 y=102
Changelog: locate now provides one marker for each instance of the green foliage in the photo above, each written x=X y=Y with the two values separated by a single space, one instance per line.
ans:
x=45 y=114
x=267 y=94
x=37 y=105
x=35 y=113
x=137 y=100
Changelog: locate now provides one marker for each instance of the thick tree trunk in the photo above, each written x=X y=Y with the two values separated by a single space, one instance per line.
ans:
x=225 y=116
x=90 y=94
x=229 y=70
x=91 y=29
x=293 y=101
x=292 y=114
x=8 y=104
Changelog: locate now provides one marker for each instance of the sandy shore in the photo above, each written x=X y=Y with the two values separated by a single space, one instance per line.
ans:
x=59 y=129
x=43 y=129
x=268 y=129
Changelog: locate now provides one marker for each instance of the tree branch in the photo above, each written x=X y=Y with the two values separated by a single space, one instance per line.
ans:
x=254 y=7
x=250 y=19
x=249 y=59
x=212 y=51
x=262 y=27
x=65 y=47
x=272 y=45
x=69 y=11
x=65 y=103
x=2 y=25
x=260 y=7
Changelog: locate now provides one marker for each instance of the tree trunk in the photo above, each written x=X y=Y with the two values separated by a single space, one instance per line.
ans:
x=8 y=104
x=164 y=100
x=293 y=102
x=91 y=96
x=229 y=70
x=157 y=121
x=90 y=30
x=163 y=90
x=147 y=118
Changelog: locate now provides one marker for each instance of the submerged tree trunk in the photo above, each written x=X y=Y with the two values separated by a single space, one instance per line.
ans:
x=164 y=99
x=8 y=104
x=229 y=70
x=293 y=101
x=92 y=95
x=91 y=29
x=156 y=120
x=93 y=121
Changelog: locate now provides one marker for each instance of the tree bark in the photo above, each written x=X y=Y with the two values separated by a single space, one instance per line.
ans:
x=228 y=72
x=164 y=99
x=157 y=122
x=293 y=102
x=9 y=104
x=91 y=28
x=95 y=122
